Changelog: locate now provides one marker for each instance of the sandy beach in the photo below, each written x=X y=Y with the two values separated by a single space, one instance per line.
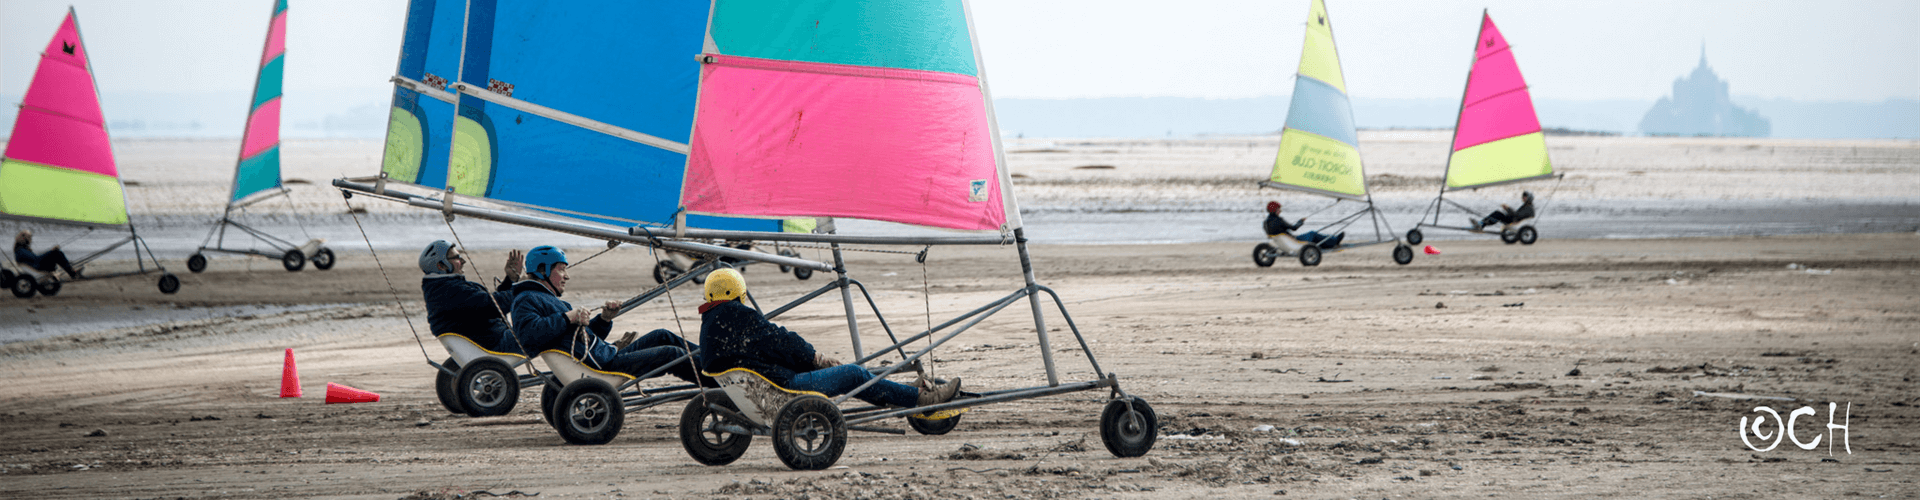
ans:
x=1592 y=366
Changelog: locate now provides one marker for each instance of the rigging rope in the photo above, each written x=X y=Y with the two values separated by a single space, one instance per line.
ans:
x=511 y=331
x=344 y=195
x=673 y=306
x=288 y=193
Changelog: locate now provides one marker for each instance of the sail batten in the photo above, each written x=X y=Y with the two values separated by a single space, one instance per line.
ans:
x=1320 y=144
x=58 y=166
x=1497 y=137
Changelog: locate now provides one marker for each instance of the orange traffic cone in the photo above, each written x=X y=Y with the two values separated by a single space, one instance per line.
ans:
x=289 y=378
x=337 y=393
x=1432 y=251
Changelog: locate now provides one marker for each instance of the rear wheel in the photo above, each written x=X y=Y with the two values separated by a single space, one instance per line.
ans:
x=49 y=285
x=197 y=263
x=22 y=286
x=666 y=270
x=1264 y=254
x=1528 y=235
x=323 y=259
x=443 y=387
x=1129 y=427
x=169 y=284
x=1310 y=255
x=1402 y=254
x=1414 y=237
x=1509 y=237
x=293 y=260
x=589 y=412
x=700 y=431
x=487 y=388
x=809 y=433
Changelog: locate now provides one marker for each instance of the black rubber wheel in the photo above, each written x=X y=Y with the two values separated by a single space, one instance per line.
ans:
x=1509 y=237
x=1402 y=254
x=1310 y=255
x=487 y=388
x=197 y=263
x=590 y=412
x=809 y=433
x=1528 y=235
x=698 y=435
x=6 y=276
x=443 y=387
x=549 y=393
x=169 y=284
x=1264 y=254
x=323 y=259
x=48 y=286
x=666 y=270
x=802 y=274
x=701 y=278
x=933 y=427
x=22 y=286
x=1414 y=237
x=1129 y=433
x=788 y=253
x=293 y=260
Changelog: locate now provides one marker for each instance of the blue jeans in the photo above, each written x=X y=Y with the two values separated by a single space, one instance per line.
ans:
x=1322 y=240
x=840 y=379
x=648 y=353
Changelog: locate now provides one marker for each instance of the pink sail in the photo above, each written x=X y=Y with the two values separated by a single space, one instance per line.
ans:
x=1496 y=105
x=263 y=129
x=817 y=139
x=60 y=121
x=276 y=38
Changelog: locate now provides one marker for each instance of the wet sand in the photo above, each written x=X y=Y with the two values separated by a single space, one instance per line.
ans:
x=1451 y=377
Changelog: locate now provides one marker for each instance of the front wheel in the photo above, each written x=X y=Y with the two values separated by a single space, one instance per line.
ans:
x=197 y=263
x=1402 y=254
x=666 y=270
x=1129 y=427
x=1264 y=254
x=589 y=412
x=323 y=259
x=169 y=284
x=700 y=431
x=788 y=253
x=933 y=427
x=487 y=388
x=293 y=260
x=1310 y=255
x=1528 y=235
x=549 y=393
x=1414 y=237
x=809 y=433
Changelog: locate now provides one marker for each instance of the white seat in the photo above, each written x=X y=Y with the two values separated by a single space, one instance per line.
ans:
x=567 y=369
x=465 y=351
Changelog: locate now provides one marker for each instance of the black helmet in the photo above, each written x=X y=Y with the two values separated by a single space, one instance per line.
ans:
x=1526 y=195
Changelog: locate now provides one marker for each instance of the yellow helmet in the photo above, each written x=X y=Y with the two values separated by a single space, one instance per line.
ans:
x=725 y=284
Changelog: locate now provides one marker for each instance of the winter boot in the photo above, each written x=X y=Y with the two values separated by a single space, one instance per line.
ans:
x=625 y=339
x=940 y=392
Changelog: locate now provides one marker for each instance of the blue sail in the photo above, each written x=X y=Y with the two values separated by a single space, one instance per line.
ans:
x=581 y=111
x=422 y=114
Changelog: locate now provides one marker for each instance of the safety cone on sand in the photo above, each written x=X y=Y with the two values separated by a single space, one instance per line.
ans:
x=337 y=394
x=289 y=378
x=1432 y=251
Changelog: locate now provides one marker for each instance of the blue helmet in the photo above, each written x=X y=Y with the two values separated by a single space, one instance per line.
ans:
x=433 y=260
x=542 y=259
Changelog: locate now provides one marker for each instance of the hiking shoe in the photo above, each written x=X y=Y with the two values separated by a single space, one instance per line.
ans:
x=1474 y=222
x=940 y=392
x=625 y=339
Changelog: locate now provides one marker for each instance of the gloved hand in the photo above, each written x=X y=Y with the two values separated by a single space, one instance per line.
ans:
x=609 y=309
x=516 y=265
x=577 y=316
x=821 y=361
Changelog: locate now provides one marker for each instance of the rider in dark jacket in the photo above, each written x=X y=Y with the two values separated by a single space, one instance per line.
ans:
x=45 y=262
x=544 y=322
x=1275 y=226
x=458 y=306
x=1509 y=215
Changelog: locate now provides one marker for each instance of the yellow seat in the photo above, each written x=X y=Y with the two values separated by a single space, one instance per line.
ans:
x=760 y=399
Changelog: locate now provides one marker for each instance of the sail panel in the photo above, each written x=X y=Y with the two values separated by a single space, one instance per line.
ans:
x=419 y=126
x=789 y=139
x=1320 y=146
x=1318 y=57
x=927 y=35
x=1319 y=164
x=58 y=165
x=1497 y=138
x=1513 y=158
x=628 y=65
x=259 y=166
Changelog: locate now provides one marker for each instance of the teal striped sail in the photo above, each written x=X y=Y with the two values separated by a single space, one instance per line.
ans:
x=258 y=173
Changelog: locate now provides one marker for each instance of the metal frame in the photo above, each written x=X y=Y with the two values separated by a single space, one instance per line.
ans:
x=1440 y=202
x=140 y=247
x=659 y=238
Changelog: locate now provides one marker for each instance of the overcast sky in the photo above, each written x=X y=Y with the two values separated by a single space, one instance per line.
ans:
x=1838 y=50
